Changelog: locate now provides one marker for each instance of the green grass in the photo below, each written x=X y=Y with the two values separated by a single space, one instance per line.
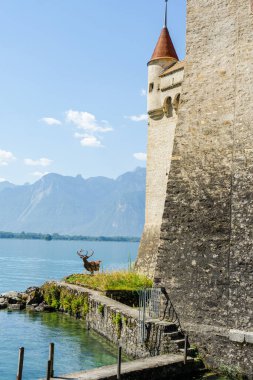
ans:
x=121 y=280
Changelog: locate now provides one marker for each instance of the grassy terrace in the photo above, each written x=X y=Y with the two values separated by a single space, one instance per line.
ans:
x=121 y=280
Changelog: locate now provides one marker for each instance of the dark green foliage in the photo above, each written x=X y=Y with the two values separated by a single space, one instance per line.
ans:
x=48 y=237
x=66 y=300
x=51 y=295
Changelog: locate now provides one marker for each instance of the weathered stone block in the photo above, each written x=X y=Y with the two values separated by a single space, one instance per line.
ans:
x=16 y=306
x=249 y=337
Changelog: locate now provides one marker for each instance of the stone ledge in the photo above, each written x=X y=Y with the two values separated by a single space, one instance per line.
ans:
x=240 y=336
x=236 y=336
x=155 y=368
x=249 y=337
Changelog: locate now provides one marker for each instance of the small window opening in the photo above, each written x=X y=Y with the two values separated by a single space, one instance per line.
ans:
x=151 y=87
x=176 y=103
x=168 y=108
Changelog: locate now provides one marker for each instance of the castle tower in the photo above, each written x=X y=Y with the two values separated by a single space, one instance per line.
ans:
x=205 y=256
x=165 y=75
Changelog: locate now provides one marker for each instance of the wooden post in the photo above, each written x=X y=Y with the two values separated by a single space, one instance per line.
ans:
x=48 y=369
x=20 y=363
x=119 y=363
x=185 y=348
x=51 y=358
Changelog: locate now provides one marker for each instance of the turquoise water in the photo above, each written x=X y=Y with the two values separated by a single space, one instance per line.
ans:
x=75 y=347
x=25 y=263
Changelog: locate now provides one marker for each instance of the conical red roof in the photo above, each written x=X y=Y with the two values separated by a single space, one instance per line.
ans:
x=164 y=47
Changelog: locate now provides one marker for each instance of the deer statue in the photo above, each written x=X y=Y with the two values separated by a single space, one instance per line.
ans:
x=90 y=266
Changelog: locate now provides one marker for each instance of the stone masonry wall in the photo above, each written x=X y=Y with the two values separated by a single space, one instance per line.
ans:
x=117 y=322
x=205 y=258
x=160 y=142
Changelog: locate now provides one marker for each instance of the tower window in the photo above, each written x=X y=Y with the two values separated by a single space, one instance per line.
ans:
x=168 y=108
x=176 y=103
x=151 y=87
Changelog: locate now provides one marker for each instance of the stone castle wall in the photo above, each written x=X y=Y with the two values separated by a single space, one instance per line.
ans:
x=205 y=258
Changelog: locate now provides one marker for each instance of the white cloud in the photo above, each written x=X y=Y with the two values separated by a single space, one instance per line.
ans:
x=140 y=156
x=143 y=92
x=90 y=141
x=40 y=162
x=6 y=157
x=50 y=121
x=2 y=180
x=137 y=118
x=87 y=122
x=79 y=135
x=39 y=174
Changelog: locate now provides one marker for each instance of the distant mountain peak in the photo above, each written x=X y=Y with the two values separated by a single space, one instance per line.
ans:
x=97 y=206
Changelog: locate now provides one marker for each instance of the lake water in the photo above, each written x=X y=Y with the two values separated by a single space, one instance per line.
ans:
x=75 y=347
x=25 y=263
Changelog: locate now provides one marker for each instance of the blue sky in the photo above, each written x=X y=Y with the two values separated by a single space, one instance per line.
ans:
x=73 y=75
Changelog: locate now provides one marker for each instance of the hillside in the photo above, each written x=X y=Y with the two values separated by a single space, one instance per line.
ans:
x=74 y=205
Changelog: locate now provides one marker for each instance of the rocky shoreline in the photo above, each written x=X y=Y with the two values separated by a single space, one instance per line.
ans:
x=32 y=299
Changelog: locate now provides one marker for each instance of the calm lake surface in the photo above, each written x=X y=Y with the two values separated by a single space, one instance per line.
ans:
x=75 y=347
x=25 y=263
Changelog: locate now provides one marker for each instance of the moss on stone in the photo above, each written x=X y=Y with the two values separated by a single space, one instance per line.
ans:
x=231 y=372
x=101 y=309
x=117 y=321
x=66 y=300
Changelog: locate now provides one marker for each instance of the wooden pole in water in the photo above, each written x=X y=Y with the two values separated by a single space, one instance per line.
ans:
x=119 y=363
x=51 y=358
x=48 y=369
x=185 y=348
x=20 y=363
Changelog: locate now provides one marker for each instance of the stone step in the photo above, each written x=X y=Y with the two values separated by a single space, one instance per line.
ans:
x=174 y=335
x=168 y=327
x=190 y=351
x=179 y=342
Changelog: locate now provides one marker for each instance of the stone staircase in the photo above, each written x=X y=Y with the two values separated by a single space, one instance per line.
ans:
x=173 y=339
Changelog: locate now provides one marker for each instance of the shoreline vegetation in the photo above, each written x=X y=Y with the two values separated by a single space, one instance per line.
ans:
x=55 y=236
x=120 y=280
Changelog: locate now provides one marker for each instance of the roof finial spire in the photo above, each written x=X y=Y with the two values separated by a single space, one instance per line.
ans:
x=165 y=17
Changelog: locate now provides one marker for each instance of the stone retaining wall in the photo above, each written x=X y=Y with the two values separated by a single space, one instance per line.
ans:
x=117 y=322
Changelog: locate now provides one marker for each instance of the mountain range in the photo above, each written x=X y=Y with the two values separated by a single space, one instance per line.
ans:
x=96 y=206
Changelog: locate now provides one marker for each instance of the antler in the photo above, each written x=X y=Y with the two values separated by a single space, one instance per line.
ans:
x=92 y=253
x=79 y=253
